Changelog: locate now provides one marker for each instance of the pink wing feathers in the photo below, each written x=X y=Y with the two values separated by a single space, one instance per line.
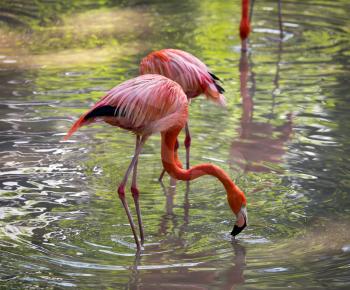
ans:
x=187 y=70
x=145 y=105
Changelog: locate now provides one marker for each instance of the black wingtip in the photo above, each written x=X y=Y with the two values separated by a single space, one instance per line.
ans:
x=106 y=111
x=236 y=229
x=214 y=76
x=219 y=88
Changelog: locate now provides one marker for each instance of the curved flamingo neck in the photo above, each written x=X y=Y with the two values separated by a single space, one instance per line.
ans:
x=235 y=196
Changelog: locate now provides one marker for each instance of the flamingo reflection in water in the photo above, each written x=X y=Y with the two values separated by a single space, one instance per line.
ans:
x=257 y=144
x=229 y=271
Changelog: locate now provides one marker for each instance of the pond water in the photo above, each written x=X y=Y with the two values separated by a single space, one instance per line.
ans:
x=284 y=139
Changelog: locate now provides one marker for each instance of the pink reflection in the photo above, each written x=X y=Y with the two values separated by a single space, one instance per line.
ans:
x=259 y=143
x=224 y=273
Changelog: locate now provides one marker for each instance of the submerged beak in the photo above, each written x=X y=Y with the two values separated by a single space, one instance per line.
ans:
x=241 y=223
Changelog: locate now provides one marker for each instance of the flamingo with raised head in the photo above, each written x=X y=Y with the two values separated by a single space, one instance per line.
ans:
x=190 y=73
x=146 y=105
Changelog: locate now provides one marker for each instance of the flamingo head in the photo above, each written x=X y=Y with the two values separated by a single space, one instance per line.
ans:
x=241 y=221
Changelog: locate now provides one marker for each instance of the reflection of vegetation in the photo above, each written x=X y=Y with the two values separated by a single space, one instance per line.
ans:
x=45 y=12
x=95 y=28
x=84 y=36
x=89 y=24
x=89 y=30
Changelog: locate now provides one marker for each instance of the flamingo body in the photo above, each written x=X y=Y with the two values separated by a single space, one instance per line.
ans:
x=144 y=105
x=185 y=69
x=190 y=73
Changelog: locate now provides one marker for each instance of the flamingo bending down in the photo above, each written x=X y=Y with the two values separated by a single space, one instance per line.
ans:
x=150 y=104
x=190 y=73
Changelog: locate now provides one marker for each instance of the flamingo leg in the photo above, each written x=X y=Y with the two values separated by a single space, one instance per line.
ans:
x=280 y=18
x=160 y=179
x=244 y=45
x=121 y=190
x=187 y=145
x=136 y=194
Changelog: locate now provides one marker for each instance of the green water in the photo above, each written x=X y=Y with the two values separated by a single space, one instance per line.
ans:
x=284 y=139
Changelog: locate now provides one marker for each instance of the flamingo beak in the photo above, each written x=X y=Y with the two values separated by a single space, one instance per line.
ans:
x=241 y=223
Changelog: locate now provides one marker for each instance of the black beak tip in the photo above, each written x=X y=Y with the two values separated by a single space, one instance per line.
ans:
x=236 y=229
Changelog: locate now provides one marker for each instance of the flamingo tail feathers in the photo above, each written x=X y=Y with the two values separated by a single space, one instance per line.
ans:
x=214 y=91
x=90 y=116
x=80 y=122
x=213 y=94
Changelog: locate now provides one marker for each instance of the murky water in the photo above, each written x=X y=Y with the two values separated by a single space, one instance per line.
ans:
x=284 y=138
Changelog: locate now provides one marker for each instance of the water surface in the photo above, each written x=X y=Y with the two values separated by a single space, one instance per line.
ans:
x=283 y=138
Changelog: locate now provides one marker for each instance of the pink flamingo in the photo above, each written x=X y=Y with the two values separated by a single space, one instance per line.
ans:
x=150 y=104
x=244 y=27
x=190 y=73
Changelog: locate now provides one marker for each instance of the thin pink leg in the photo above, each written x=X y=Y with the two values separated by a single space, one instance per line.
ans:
x=187 y=145
x=135 y=195
x=160 y=179
x=121 y=190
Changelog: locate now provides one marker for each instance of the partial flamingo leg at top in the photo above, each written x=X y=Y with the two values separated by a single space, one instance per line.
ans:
x=244 y=27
